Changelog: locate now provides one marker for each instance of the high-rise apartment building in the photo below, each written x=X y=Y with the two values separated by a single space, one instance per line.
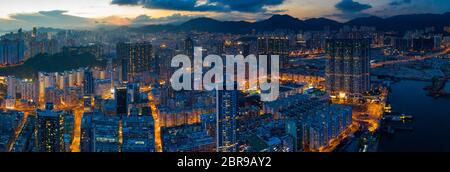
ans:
x=347 y=67
x=135 y=58
x=274 y=45
x=227 y=110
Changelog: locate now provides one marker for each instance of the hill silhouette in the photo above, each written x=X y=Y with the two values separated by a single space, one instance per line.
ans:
x=51 y=63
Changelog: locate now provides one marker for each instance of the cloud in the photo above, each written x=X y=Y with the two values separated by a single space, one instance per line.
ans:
x=399 y=7
x=55 y=18
x=248 y=5
x=349 y=9
x=351 y=6
x=179 y=5
x=204 y=5
x=59 y=19
x=172 y=19
x=343 y=17
x=400 y=2
x=113 y=20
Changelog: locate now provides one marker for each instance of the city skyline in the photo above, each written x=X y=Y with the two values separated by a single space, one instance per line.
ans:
x=85 y=14
x=290 y=84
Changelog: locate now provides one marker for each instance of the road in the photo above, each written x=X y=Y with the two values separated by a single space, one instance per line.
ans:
x=335 y=142
x=78 y=111
x=78 y=115
x=158 y=142
x=410 y=59
x=17 y=131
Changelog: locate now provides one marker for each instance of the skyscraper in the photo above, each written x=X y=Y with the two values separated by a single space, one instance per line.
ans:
x=135 y=58
x=227 y=109
x=347 y=67
x=50 y=130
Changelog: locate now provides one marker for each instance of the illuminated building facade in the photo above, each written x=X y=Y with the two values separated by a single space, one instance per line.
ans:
x=311 y=120
x=135 y=57
x=347 y=67
x=274 y=45
x=50 y=130
x=227 y=111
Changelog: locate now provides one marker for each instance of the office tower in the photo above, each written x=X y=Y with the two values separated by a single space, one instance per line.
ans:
x=135 y=58
x=88 y=83
x=274 y=45
x=347 y=67
x=50 y=130
x=189 y=48
x=227 y=109
x=138 y=134
x=120 y=97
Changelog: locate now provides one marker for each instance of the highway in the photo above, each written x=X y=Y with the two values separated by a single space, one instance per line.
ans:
x=410 y=59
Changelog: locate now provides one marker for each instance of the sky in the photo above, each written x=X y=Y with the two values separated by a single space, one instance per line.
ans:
x=85 y=14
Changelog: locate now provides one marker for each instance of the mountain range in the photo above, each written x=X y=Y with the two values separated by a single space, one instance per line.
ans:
x=398 y=23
